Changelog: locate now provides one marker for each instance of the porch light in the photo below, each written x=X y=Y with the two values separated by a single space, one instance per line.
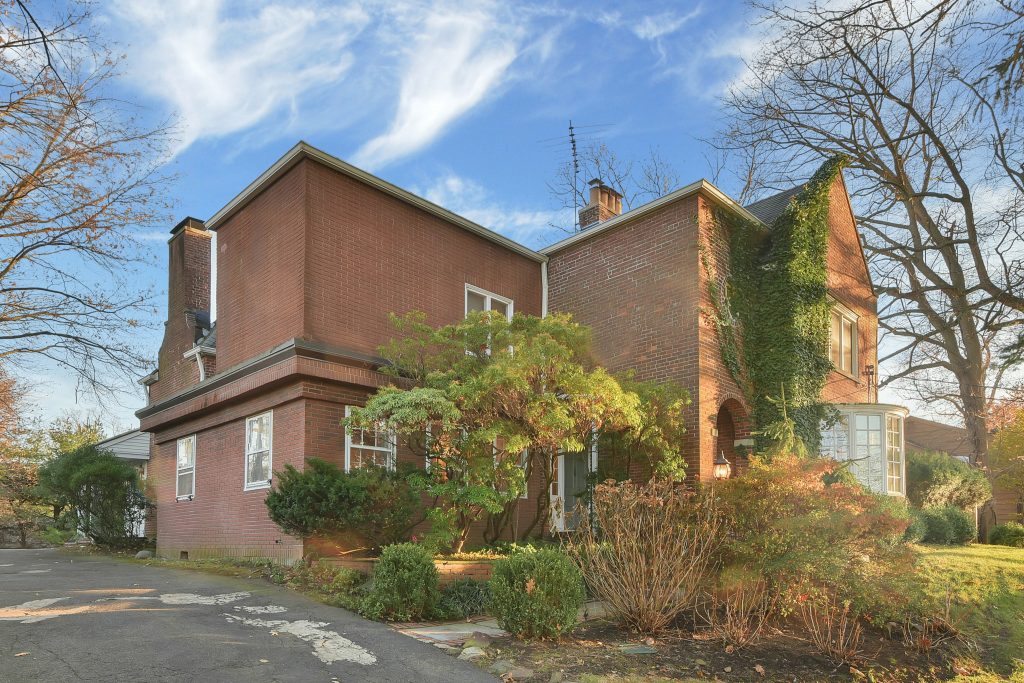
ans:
x=722 y=468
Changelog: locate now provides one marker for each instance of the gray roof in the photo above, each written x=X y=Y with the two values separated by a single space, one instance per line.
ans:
x=769 y=208
x=133 y=445
x=210 y=338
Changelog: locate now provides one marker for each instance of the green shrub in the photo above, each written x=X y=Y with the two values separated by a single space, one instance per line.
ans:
x=97 y=490
x=536 y=594
x=464 y=598
x=1011 y=534
x=936 y=479
x=322 y=500
x=918 y=529
x=949 y=526
x=56 y=535
x=404 y=585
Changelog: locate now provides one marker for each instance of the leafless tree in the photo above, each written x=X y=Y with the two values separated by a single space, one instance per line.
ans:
x=637 y=181
x=1008 y=72
x=935 y=173
x=78 y=181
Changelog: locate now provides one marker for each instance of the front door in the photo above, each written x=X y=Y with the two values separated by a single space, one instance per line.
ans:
x=576 y=470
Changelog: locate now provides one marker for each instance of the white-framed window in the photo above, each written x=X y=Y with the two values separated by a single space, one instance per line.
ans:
x=185 y=488
x=259 y=446
x=893 y=454
x=867 y=437
x=481 y=300
x=368 y=447
x=843 y=341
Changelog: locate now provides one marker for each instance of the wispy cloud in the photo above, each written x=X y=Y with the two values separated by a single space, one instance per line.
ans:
x=532 y=227
x=655 y=26
x=456 y=61
x=224 y=72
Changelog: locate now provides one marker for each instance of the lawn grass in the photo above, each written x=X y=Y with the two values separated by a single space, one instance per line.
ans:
x=985 y=588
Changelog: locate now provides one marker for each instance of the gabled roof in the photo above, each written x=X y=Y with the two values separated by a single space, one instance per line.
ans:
x=683 y=192
x=302 y=150
x=769 y=208
x=928 y=435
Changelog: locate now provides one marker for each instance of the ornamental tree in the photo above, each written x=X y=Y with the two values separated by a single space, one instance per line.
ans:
x=490 y=402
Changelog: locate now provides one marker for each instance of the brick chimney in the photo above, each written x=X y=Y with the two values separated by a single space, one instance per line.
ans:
x=604 y=203
x=188 y=306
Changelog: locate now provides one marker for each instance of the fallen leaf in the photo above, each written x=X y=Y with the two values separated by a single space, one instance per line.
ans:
x=530 y=585
x=21 y=654
x=264 y=661
x=730 y=649
x=759 y=669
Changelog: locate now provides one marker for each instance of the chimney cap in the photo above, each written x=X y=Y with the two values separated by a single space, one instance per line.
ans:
x=596 y=182
x=188 y=222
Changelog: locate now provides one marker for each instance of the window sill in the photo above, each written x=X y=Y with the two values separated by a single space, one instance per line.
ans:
x=847 y=375
x=185 y=498
x=256 y=487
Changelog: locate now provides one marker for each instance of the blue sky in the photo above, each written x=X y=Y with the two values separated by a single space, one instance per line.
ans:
x=456 y=101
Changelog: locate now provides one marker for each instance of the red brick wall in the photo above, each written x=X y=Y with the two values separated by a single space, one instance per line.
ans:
x=637 y=287
x=850 y=283
x=188 y=287
x=369 y=254
x=260 y=253
x=223 y=519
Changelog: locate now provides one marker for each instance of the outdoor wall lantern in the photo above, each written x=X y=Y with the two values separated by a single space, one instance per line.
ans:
x=722 y=468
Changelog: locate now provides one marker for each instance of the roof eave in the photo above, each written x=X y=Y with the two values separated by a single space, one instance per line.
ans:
x=303 y=150
x=676 y=195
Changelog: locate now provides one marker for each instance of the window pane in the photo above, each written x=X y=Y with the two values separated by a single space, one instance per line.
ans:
x=475 y=302
x=365 y=457
x=847 y=359
x=835 y=342
x=185 y=480
x=186 y=453
x=500 y=307
x=258 y=438
x=259 y=467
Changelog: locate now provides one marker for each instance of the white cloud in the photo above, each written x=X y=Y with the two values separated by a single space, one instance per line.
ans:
x=655 y=26
x=456 y=61
x=223 y=74
x=471 y=200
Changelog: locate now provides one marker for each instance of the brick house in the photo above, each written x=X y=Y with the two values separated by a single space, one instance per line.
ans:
x=315 y=254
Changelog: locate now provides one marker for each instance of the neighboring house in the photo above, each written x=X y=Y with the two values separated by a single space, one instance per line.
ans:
x=315 y=254
x=133 y=447
x=928 y=435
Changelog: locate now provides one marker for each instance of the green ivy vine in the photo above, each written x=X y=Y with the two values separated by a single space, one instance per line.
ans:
x=773 y=317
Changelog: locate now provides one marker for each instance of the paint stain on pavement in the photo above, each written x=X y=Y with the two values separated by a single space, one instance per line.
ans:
x=328 y=646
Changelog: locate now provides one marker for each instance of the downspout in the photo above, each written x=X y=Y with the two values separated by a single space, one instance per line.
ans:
x=544 y=289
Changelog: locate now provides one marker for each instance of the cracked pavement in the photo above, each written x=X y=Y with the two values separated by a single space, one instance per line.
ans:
x=69 y=617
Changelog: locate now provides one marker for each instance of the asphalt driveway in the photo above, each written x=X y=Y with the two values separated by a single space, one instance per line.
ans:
x=66 y=617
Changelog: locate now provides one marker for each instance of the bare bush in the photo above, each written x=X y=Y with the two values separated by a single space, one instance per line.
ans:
x=648 y=550
x=833 y=628
x=739 y=607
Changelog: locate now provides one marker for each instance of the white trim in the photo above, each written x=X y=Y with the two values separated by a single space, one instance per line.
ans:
x=303 y=150
x=198 y=352
x=845 y=314
x=178 y=495
x=488 y=298
x=681 y=193
x=252 y=486
x=391 y=449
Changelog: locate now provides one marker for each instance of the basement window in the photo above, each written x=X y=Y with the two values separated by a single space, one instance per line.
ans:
x=259 y=439
x=185 y=488
x=368 y=447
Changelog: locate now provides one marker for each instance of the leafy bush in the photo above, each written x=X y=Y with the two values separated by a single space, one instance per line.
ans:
x=56 y=535
x=464 y=598
x=536 y=594
x=1011 y=534
x=804 y=534
x=372 y=502
x=98 y=490
x=949 y=526
x=335 y=585
x=918 y=528
x=404 y=584
x=935 y=479
x=648 y=551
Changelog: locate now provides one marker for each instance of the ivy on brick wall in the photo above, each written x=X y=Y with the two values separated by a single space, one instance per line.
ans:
x=772 y=315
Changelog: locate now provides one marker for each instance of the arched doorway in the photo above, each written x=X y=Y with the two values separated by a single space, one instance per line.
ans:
x=733 y=438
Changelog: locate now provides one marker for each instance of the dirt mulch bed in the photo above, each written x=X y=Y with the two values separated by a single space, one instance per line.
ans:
x=594 y=648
